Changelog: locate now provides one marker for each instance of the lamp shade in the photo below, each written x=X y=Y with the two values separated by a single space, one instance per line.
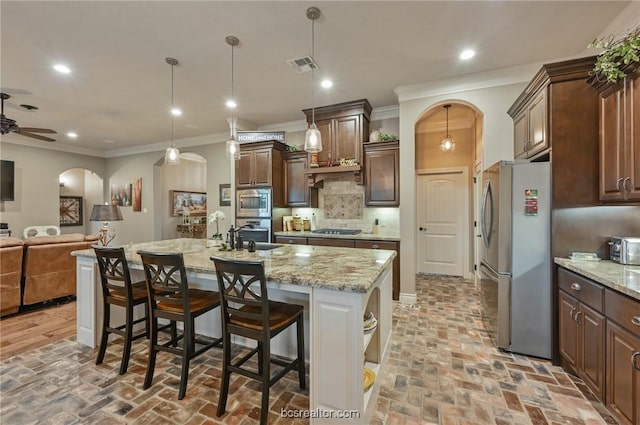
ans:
x=313 y=139
x=105 y=213
x=172 y=156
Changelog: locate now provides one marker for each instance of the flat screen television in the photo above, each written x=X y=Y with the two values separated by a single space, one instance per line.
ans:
x=7 y=179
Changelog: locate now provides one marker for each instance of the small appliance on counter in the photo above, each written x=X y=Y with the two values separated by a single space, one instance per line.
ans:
x=625 y=250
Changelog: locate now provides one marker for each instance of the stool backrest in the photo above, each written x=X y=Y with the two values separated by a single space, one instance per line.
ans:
x=114 y=271
x=166 y=281
x=237 y=282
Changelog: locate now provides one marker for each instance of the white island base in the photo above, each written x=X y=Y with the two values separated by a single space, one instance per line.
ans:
x=336 y=347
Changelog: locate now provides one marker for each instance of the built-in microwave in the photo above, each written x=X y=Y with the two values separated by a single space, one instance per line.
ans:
x=253 y=203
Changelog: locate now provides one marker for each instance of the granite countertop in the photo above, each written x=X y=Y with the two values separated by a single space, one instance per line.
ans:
x=382 y=235
x=625 y=279
x=342 y=269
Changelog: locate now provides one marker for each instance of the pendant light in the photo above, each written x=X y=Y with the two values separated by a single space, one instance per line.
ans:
x=233 y=148
x=172 y=155
x=313 y=139
x=447 y=145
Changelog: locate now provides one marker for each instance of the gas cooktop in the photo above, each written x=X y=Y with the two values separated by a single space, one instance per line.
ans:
x=337 y=231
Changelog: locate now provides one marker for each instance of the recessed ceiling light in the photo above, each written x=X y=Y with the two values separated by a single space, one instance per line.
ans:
x=326 y=83
x=61 y=68
x=467 y=54
x=176 y=112
x=231 y=103
x=72 y=135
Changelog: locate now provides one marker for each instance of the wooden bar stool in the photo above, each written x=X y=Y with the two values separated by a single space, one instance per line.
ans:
x=249 y=313
x=117 y=289
x=170 y=298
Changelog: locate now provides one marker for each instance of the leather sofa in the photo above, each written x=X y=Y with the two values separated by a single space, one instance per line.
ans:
x=11 y=254
x=49 y=269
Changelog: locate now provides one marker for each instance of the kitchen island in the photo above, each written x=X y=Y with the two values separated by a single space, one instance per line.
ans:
x=337 y=287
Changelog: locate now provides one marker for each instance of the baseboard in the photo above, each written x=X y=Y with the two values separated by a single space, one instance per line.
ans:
x=408 y=298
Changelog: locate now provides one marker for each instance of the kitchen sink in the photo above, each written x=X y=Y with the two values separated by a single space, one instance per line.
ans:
x=264 y=246
x=337 y=231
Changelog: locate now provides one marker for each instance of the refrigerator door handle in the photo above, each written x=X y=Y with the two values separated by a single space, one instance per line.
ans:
x=487 y=196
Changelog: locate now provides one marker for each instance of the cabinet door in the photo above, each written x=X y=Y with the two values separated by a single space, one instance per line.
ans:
x=592 y=364
x=347 y=142
x=520 y=136
x=632 y=146
x=296 y=191
x=382 y=174
x=623 y=377
x=244 y=165
x=326 y=132
x=347 y=243
x=569 y=335
x=611 y=149
x=262 y=167
x=537 y=131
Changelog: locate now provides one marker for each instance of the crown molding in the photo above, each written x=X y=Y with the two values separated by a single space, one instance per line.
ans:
x=385 y=113
x=161 y=146
x=60 y=147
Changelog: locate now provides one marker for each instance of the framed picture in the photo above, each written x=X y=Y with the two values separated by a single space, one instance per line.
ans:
x=121 y=195
x=195 y=203
x=137 y=194
x=225 y=195
x=71 y=211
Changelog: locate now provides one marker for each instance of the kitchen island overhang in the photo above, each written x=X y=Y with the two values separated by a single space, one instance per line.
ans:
x=337 y=287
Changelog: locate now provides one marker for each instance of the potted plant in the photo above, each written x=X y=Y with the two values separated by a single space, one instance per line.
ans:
x=613 y=62
x=216 y=217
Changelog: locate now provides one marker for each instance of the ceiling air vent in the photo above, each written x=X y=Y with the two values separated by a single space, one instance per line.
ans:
x=304 y=64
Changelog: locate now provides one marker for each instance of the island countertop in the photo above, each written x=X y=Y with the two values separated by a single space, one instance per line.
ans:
x=625 y=279
x=341 y=269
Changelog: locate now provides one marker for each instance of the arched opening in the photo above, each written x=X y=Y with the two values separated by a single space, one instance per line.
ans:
x=80 y=189
x=189 y=177
x=446 y=196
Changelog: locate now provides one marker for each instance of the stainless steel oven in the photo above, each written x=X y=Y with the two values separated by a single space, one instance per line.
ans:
x=261 y=231
x=253 y=203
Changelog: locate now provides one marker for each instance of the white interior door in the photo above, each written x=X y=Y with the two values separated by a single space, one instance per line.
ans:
x=442 y=219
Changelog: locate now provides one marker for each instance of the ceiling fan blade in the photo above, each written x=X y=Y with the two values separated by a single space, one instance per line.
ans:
x=35 y=136
x=38 y=130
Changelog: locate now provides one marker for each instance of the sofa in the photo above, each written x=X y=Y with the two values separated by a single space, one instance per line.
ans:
x=11 y=254
x=49 y=269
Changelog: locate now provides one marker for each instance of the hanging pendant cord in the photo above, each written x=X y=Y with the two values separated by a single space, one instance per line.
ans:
x=313 y=58
x=233 y=99
x=172 y=143
x=447 y=123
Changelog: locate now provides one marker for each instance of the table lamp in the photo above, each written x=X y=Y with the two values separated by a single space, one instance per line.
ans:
x=105 y=214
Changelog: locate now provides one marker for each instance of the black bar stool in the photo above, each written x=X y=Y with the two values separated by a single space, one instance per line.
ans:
x=117 y=289
x=249 y=313
x=170 y=298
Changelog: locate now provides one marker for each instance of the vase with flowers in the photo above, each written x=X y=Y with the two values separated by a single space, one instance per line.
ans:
x=216 y=217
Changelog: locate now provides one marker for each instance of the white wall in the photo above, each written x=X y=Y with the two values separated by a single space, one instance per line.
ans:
x=493 y=102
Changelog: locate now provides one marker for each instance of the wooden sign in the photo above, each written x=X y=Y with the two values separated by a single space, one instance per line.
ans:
x=260 y=136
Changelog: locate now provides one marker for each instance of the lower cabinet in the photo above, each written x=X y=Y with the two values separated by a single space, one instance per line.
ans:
x=353 y=243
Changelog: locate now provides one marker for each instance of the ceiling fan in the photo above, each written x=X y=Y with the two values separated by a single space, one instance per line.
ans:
x=7 y=125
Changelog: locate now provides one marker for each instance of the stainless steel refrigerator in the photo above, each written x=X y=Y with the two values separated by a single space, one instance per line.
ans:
x=515 y=283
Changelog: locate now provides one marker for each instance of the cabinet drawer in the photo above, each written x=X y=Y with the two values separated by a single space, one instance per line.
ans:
x=590 y=293
x=347 y=243
x=393 y=246
x=622 y=310
x=293 y=240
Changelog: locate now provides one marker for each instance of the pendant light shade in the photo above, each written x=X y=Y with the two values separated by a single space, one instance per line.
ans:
x=232 y=148
x=313 y=138
x=447 y=145
x=172 y=154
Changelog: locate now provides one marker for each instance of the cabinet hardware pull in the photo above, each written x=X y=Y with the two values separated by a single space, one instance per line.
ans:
x=624 y=185
x=289 y=241
x=619 y=185
x=576 y=286
x=634 y=356
x=576 y=318
x=374 y=246
x=571 y=313
x=635 y=320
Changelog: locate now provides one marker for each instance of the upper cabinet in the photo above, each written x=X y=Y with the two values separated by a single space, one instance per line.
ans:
x=344 y=127
x=620 y=138
x=530 y=135
x=297 y=192
x=382 y=174
x=260 y=165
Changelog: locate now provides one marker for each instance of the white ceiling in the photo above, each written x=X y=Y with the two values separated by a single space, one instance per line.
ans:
x=119 y=90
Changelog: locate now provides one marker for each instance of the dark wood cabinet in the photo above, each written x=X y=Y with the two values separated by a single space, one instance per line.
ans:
x=345 y=243
x=623 y=357
x=292 y=240
x=261 y=165
x=382 y=174
x=620 y=139
x=530 y=128
x=582 y=329
x=343 y=127
x=297 y=192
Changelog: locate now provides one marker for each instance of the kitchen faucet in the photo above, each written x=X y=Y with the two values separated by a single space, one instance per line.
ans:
x=231 y=236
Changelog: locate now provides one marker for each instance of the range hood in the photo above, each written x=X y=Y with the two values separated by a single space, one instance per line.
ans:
x=316 y=176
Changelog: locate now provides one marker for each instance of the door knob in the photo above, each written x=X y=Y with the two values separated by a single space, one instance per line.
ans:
x=422 y=228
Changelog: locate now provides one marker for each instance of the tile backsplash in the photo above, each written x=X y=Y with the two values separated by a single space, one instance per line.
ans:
x=341 y=205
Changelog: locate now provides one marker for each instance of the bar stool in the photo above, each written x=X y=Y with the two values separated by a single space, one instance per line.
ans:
x=117 y=289
x=170 y=298
x=249 y=313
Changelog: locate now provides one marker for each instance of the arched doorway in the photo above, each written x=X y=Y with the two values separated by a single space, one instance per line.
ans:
x=83 y=188
x=445 y=195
